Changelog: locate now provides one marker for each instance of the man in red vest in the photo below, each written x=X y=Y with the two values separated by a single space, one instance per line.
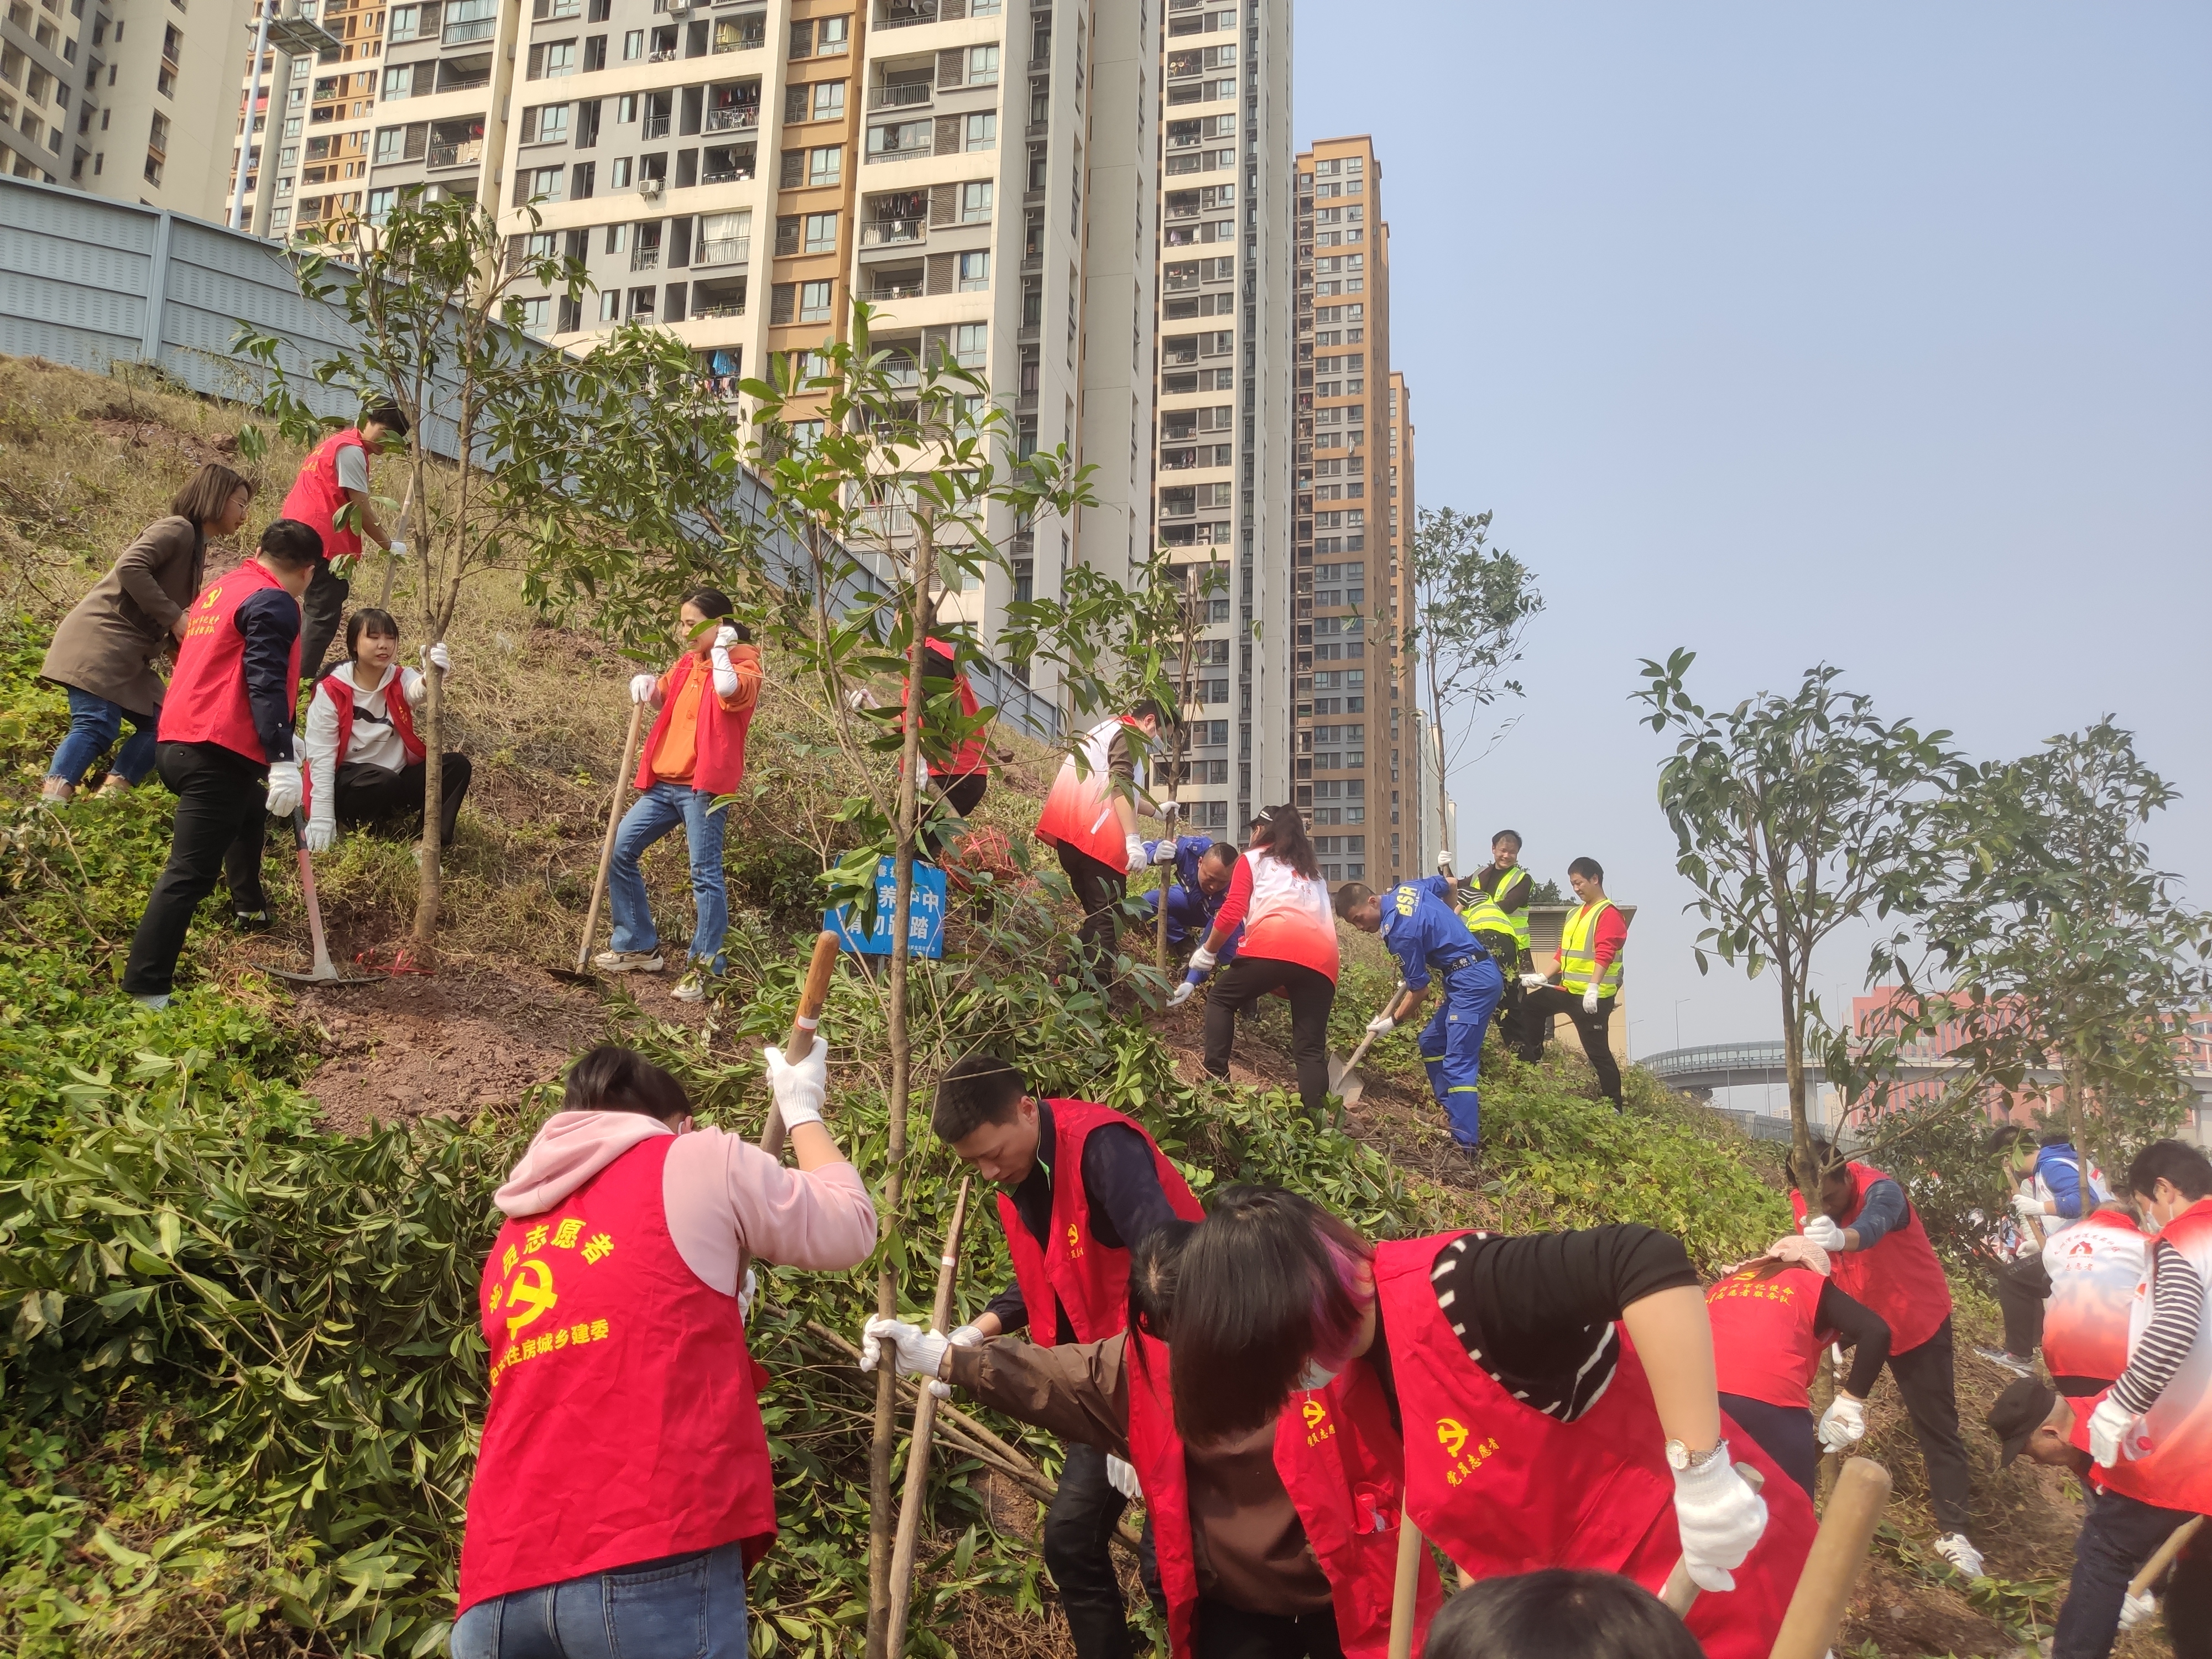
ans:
x=1080 y=1185
x=334 y=477
x=1881 y=1255
x=624 y=1484
x=959 y=777
x=226 y=748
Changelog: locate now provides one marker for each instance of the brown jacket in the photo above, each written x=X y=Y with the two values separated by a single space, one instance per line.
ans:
x=106 y=646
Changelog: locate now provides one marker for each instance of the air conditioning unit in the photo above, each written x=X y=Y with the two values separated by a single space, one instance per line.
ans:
x=649 y=188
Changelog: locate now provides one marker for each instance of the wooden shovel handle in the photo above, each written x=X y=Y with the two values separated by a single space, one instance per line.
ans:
x=1839 y=1549
x=607 y=841
x=2162 y=1558
x=811 y=996
x=1680 y=1592
x=1404 y=1589
x=917 y=1457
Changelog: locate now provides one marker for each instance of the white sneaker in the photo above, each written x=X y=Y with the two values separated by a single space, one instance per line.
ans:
x=153 y=1003
x=629 y=961
x=692 y=988
x=1959 y=1553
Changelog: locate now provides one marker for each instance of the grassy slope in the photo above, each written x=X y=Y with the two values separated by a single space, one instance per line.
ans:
x=123 y=1431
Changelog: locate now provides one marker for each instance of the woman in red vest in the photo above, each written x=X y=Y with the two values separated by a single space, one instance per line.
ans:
x=1079 y=1186
x=332 y=484
x=1089 y=819
x=1556 y=1393
x=365 y=764
x=226 y=748
x=960 y=772
x=694 y=758
x=1771 y=1317
x=1880 y=1254
x=1277 y=1543
x=624 y=1484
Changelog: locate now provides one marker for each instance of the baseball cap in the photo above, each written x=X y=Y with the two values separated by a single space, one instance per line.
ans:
x=2020 y=1411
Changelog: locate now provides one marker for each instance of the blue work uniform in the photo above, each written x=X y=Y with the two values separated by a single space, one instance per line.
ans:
x=1427 y=935
x=1191 y=909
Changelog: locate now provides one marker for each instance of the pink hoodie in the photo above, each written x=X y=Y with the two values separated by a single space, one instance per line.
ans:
x=723 y=1195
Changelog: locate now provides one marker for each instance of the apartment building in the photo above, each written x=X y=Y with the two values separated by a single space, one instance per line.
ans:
x=319 y=79
x=1353 y=740
x=120 y=98
x=1222 y=456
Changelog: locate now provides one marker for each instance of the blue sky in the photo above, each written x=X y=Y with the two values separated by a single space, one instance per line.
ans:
x=1880 y=335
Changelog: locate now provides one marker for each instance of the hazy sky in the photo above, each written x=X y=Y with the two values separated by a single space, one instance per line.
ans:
x=1880 y=335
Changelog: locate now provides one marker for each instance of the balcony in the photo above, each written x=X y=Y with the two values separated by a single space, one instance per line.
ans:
x=645 y=259
x=728 y=172
x=893 y=233
x=903 y=14
x=723 y=250
x=738 y=117
x=895 y=282
x=657 y=126
x=467 y=155
x=901 y=94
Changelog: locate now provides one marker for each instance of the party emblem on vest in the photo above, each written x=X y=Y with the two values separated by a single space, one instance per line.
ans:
x=1315 y=1415
x=528 y=1292
x=1452 y=1436
x=2081 y=1247
x=1074 y=1240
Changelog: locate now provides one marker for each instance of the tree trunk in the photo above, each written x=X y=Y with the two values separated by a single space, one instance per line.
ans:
x=429 y=887
x=1793 y=1066
x=883 y=1511
x=1436 y=720
x=2077 y=1122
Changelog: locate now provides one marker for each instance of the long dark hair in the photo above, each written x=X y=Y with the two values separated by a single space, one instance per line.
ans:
x=1558 y=1614
x=1282 y=832
x=1267 y=1282
x=206 y=495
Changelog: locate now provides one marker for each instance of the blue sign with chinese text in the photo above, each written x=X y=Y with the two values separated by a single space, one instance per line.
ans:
x=925 y=922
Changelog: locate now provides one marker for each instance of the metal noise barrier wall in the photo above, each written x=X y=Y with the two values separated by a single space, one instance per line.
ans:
x=96 y=284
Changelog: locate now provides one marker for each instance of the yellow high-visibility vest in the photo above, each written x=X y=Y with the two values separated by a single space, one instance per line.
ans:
x=1578 y=952
x=1517 y=920
x=1482 y=915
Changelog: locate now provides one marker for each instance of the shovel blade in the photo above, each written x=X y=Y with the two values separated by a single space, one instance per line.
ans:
x=1344 y=1082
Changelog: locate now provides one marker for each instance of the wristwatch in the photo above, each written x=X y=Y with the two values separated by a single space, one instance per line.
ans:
x=1681 y=1459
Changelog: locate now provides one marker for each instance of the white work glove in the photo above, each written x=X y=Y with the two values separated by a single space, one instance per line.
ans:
x=1122 y=1477
x=1136 y=858
x=1163 y=850
x=1823 y=1231
x=439 y=658
x=966 y=1337
x=1590 y=1000
x=1202 y=960
x=1380 y=1025
x=2109 y=1428
x=1842 y=1425
x=799 y=1085
x=2026 y=1205
x=395 y=550
x=1720 y=1517
x=322 y=835
x=1444 y=862
x=642 y=686
x=914 y=1351
x=1182 y=993
x=283 y=788
x=1534 y=981
x=747 y=1292
x=2134 y=1609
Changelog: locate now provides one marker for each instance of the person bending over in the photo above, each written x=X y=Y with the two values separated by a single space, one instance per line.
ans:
x=1089 y=819
x=1558 y=1614
x=365 y=767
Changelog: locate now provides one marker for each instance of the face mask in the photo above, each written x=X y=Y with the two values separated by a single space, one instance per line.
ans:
x=1313 y=1376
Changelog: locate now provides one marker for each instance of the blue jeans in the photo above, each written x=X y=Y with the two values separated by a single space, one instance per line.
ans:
x=94 y=722
x=683 y=1606
x=1451 y=1043
x=657 y=811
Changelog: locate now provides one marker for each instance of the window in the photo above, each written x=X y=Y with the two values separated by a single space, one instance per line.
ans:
x=546 y=11
x=611 y=305
x=968 y=341
x=552 y=59
x=786 y=234
x=633 y=45
x=820 y=233
x=982 y=66
x=618 y=239
x=782 y=299
x=825 y=166
x=380 y=203
x=724 y=237
x=829 y=100
x=982 y=131
x=534 y=313
x=975 y=272
x=402 y=143
x=975 y=203
x=814 y=302
x=618 y=175
x=802 y=40
x=542 y=184
x=403 y=20
x=836 y=36
x=471 y=19
x=399 y=82
x=546 y=124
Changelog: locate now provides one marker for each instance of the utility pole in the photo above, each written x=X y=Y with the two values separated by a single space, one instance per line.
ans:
x=245 y=133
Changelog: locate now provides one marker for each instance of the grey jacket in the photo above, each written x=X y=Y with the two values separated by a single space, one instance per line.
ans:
x=108 y=645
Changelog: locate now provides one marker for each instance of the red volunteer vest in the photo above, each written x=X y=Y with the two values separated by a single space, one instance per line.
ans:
x=1899 y=1278
x=207 y=694
x=1342 y=1464
x=1075 y=1271
x=719 y=765
x=315 y=497
x=2167 y=1462
x=623 y=1423
x=1079 y=811
x=2096 y=1266
x=1505 y=1489
x=1766 y=1346
x=340 y=687
x=971 y=755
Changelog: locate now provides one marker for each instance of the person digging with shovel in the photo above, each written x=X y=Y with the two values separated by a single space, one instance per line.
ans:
x=1428 y=936
x=226 y=748
x=1079 y=1184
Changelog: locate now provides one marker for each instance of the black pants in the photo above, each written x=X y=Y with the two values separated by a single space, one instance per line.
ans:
x=1312 y=994
x=2189 y=1600
x=1784 y=1433
x=1225 y=1633
x=959 y=795
x=320 y=608
x=221 y=822
x=1099 y=888
x=2118 y=1534
x=2021 y=1287
x=1592 y=1028
x=1078 y=1553
x=1926 y=1384
x=373 y=797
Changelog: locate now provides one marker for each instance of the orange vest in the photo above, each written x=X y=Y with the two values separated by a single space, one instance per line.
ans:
x=1079 y=812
